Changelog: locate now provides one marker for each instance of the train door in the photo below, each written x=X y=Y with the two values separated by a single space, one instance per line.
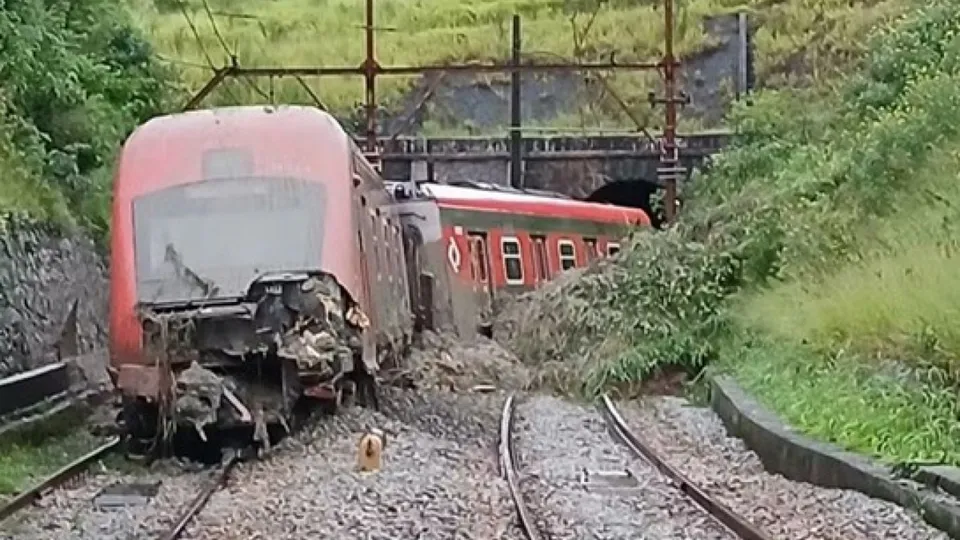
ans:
x=541 y=265
x=480 y=273
x=591 y=247
x=412 y=243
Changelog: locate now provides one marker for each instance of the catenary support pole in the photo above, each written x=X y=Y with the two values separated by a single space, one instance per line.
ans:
x=516 y=141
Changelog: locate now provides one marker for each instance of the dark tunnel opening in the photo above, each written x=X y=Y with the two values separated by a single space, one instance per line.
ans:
x=631 y=193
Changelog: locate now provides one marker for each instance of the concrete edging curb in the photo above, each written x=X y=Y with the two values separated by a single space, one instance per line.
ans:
x=800 y=458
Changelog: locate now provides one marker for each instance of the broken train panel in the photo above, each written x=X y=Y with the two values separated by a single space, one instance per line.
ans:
x=236 y=283
x=248 y=364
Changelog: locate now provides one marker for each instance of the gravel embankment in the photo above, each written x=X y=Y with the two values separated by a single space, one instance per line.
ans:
x=555 y=441
x=69 y=513
x=693 y=440
x=439 y=478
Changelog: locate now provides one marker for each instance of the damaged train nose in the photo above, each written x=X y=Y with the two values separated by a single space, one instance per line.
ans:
x=247 y=365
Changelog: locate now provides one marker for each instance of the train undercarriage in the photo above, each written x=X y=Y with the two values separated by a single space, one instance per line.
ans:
x=244 y=374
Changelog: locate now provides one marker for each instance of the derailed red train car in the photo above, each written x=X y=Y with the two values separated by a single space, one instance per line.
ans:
x=259 y=260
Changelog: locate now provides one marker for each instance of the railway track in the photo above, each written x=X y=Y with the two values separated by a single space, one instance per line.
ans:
x=220 y=479
x=59 y=478
x=735 y=524
x=728 y=518
x=508 y=470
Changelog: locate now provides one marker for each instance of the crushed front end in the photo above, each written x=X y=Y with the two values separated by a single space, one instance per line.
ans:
x=244 y=366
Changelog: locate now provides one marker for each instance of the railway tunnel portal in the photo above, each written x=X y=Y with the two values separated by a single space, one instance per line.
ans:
x=618 y=169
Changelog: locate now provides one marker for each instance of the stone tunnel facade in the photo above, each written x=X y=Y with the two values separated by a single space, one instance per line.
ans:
x=575 y=166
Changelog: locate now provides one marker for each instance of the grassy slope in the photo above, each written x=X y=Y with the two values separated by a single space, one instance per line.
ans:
x=816 y=261
x=328 y=32
x=867 y=354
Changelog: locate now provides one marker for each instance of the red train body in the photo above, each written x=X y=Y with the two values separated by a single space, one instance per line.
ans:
x=242 y=234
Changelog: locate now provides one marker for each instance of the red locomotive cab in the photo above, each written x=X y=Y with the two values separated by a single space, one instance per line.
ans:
x=225 y=224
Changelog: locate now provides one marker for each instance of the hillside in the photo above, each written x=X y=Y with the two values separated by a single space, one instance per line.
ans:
x=814 y=262
x=797 y=41
x=75 y=83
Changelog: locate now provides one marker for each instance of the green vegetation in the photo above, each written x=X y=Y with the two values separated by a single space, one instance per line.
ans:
x=807 y=39
x=75 y=77
x=814 y=262
x=31 y=454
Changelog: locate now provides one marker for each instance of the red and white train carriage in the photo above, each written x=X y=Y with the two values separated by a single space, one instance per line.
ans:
x=223 y=218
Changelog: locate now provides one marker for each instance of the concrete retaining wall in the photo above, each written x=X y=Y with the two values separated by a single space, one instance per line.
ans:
x=800 y=458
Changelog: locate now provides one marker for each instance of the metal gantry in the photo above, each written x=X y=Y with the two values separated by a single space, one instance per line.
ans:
x=669 y=173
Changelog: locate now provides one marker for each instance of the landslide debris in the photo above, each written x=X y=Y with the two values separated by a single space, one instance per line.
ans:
x=441 y=361
x=622 y=320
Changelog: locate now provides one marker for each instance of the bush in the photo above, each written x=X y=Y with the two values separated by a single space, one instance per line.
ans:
x=795 y=197
x=75 y=78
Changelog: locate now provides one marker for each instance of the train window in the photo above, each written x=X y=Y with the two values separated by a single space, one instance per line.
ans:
x=612 y=248
x=591 y=248
x=512 y=260
x=568 y=254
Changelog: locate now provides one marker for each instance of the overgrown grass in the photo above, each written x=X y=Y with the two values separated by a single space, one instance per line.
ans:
x=29 y=455
x=815 y=260
x=810 y=39
x=884 y=410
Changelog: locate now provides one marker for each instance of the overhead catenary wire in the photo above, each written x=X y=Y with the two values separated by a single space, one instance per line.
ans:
x=231 y=54
x=201 y=46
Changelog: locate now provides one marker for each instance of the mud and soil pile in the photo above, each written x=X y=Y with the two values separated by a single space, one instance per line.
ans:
x=444 y=362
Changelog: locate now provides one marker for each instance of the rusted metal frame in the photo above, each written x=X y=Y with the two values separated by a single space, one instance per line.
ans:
x=524 y=67
x=421 y=103
x=72 y=470
x=201 y=500
x=516 y=118
x=509 y=472
x=669 y=157
x=218 y=76
x=370 y=69
x=724 y=515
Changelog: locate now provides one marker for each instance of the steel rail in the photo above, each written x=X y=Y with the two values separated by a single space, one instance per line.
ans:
x=220 y=479
x=724 y=515
x=509 y=471
x=60 y=477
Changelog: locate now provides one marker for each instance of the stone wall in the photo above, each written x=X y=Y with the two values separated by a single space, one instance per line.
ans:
x=43 y=274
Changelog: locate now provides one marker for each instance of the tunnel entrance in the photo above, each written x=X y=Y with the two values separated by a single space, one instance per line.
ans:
x=630 y=193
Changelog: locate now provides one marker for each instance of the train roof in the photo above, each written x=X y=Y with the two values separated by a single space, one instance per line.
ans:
x=206 y=124
x=490 y=198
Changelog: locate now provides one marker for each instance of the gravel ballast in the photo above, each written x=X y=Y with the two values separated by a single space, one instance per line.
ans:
x=439 y=478
x=693 y=440
x=555 y=441
x=69 y=513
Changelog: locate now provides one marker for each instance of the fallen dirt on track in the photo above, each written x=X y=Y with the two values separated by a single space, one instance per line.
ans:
x=444 y=362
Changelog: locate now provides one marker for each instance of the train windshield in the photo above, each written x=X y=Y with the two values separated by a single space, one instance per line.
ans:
x=208 y=240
